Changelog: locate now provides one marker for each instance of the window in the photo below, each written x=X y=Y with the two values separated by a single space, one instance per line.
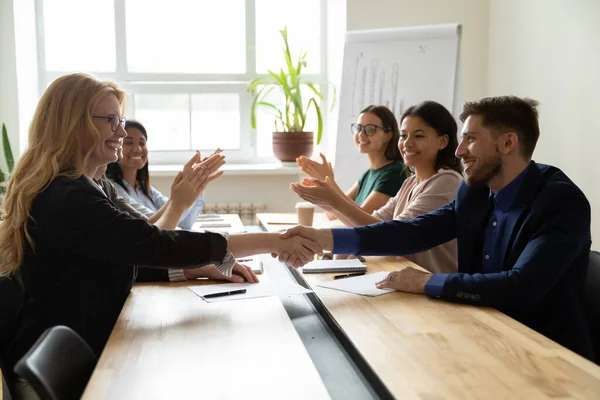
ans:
x=185 y=63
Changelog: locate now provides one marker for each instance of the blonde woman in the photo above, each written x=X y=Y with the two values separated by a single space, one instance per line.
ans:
x=74 y=249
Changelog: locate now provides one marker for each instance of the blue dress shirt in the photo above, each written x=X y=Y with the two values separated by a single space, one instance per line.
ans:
x=347 y=241
x=156 y=200
x=491 y=259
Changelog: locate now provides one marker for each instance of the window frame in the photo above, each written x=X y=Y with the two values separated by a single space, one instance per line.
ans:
x=164 y=83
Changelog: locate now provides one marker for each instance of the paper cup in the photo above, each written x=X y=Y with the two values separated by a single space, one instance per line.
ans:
x=306 y=213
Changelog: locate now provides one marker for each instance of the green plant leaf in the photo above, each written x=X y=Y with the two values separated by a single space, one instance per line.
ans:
x=258 y=99
x=279 y=116
x=315 y=90
x=253 y=107
x=2 y=176
x=334 y=97
x=319 y=118
x=10 y=161
x=261 y=80
x=287 y=80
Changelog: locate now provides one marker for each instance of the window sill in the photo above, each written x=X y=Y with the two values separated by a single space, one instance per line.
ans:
x=281 y=168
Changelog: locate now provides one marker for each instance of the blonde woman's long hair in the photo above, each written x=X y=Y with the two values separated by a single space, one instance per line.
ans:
x=62 y=137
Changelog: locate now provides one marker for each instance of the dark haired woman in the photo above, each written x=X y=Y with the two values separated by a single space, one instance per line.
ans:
x=376 y=134
x=132 y=179
x=428 y=140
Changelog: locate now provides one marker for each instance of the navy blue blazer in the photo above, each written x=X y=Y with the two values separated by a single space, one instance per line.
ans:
x=545 y=256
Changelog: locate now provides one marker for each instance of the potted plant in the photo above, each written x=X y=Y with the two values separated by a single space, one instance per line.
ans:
x=9 y=161
x=289 y=138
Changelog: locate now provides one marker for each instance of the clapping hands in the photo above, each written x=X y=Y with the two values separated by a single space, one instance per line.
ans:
x=194 y=178
x=323 y=193
x=315 y=169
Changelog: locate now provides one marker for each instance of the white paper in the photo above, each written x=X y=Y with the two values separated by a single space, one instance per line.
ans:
x=260 y=289
x=364 y=285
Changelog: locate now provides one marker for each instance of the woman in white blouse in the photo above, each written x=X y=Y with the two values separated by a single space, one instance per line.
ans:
x=132 y=179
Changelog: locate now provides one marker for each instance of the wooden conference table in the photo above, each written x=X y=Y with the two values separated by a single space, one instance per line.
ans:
x=424 y=348
x=168 y=343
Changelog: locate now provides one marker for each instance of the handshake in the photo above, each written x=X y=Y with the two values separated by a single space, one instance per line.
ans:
x=298 y=246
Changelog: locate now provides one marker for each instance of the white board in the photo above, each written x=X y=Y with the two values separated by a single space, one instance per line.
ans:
x=396 y=67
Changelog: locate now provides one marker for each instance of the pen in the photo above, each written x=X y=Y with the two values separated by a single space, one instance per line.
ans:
x=208 y=296
x=348 y=275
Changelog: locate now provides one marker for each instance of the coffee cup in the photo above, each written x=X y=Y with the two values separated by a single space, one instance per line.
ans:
x=306 y=213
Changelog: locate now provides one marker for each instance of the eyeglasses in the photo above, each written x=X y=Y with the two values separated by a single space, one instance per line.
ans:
x=114 y=121
x=369 y=129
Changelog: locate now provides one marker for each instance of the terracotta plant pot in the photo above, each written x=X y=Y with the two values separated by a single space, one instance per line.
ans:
x=287 y=146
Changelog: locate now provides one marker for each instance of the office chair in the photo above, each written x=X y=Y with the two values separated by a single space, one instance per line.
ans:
x=592 y=301
x=59 y=365
x=11 y=297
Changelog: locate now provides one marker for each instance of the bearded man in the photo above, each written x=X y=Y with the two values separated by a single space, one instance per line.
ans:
x=522 y=229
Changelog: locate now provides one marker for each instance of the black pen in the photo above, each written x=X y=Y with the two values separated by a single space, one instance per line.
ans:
x=208 y=296
x=348 y=275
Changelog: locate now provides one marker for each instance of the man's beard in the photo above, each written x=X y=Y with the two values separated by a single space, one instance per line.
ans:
x=484 y=173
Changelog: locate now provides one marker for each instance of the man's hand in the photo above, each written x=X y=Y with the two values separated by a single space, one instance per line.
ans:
x=315 y=169
x=408 y=280
x=296 y=251
x=315 y=236
x=241 y=273
x=322 y=237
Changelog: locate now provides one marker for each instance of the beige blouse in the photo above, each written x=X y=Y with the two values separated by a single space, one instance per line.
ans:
x=413 y=200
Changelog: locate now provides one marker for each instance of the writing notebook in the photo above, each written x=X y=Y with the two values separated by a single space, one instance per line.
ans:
x=334 y=266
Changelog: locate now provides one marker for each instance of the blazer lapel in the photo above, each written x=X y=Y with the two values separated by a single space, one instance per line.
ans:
x=520 y=209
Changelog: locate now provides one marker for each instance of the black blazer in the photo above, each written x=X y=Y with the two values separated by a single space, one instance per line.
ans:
x=545 y=260
x=141 y=273
x=81 y=269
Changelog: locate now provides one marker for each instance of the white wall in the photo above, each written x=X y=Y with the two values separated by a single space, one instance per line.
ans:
x=472 y=14
x=549 y=50
x=9 y=111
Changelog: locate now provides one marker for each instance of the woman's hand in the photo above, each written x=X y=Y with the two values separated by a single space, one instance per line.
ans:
x=241 y=273
x=212 y=163
x=318 y=192
x=408 y=279
x=192 y=181
x=217 y=151
x=315 y=169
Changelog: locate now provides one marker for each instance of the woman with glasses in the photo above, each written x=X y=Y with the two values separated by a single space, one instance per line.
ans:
x=132 y=179
x=376 y=135
x=74 y=249
x=428 y=141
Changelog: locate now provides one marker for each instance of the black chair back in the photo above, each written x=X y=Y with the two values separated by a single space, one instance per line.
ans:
x=11 y=298
x=592 y=301
x=59 y=365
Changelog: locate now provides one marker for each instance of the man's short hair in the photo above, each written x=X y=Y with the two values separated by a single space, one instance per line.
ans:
x=508 y=113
